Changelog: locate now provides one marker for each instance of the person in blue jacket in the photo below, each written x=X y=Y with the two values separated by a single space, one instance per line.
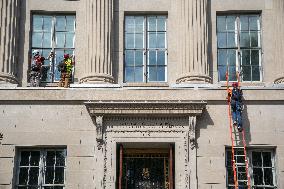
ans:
x=236 y=96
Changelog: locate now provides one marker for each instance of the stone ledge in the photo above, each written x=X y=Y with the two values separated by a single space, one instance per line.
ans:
x=146 y=107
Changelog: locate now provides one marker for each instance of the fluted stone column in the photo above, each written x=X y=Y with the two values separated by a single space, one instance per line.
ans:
x=9 y=11
x=279 y=44
x=99 y=27
x=194 y=42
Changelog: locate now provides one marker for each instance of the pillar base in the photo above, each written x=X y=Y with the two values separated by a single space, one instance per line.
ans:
x=97 y=78
x=279 y=80
x=194 y=78
x=7 y=79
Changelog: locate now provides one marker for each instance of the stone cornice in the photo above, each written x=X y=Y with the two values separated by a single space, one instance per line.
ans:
x=103 y=108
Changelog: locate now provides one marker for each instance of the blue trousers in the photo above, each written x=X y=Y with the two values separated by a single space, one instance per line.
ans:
x=237 y=114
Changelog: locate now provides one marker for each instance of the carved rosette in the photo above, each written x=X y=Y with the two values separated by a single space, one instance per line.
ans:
x=194 y=42
x=279 y=80
x=9 y=14
x=99 y=27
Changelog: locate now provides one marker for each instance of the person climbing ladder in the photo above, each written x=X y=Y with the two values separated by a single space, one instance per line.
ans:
x=235 y=96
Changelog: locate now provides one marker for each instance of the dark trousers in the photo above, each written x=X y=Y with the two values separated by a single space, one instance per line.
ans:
x=237 y=114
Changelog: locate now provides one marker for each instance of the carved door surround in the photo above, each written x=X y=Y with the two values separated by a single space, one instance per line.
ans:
x=120 y=121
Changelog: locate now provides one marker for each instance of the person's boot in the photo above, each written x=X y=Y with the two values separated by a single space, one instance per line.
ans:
x=240 y=129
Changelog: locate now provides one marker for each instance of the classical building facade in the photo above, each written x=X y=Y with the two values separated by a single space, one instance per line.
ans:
x=147 y=105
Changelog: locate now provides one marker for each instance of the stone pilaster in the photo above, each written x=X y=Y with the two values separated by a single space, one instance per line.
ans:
x=279 y=45
x=9 y=11
x=192 y=152
x=194 y=42
x=99 y=27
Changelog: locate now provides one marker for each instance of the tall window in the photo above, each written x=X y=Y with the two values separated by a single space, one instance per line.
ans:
x=53 y=33
x=261 y=169
x=41 y=169
x=239 y=47
x=145 y=49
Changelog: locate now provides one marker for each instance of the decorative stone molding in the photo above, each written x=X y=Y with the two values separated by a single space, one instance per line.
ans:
x=191 y=133
x=146 y=108
x=194 y=79
x=97 y=78
x=99 y=128
x=7 y=78
x=279 y=80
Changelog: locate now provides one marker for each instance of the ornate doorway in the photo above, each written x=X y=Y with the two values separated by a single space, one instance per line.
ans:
x=146 y=168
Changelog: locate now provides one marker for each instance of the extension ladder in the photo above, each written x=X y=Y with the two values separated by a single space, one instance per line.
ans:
x=239 y=152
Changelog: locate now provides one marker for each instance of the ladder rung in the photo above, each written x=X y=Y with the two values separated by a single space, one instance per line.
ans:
x=238 y=147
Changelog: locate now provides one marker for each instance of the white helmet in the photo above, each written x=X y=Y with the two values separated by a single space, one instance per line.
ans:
x=35 y=52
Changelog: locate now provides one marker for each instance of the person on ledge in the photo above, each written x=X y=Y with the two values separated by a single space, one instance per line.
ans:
x=65 y=67
x=235 y=97
x=36 y=68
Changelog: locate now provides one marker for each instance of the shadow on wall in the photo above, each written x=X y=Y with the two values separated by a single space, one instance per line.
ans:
x=203 y=122
x=115 y=48
x=20 y=65
x=246 y=124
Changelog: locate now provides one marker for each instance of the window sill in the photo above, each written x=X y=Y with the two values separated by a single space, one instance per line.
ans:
x=244 y=84
x=151 y=84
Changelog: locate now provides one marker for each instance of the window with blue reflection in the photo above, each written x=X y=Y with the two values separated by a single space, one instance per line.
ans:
x=53 y=33
x=239 y=47
x=145 y=49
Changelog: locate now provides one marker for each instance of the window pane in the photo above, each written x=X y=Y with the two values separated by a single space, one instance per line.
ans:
x=151 y=23
x=255 y=57
x=161 y=23
x=222 y=73
x=138 y=74
x=232 y=73
x=245 y=57
x=35 y=155
x=25 y=158
x=60 y=158
x=254 y=23
x=152 y=39
x=161 y=38
x=222 y=57
x=244 y=39
x=232 y=58
x=152 y=58
x=255 y=73
x=139 y=24
x=37 y=39
x=231 y=40
x=33 y=178
x=47 y=40
x=246 y=73
x=47 y=23
x=129 y=40
x=222 y=40
x=266 y=159
x=139 y=58
x=37 y=23
x=70 y=23
x=230 y=176
x=244 y=23
x=254 y=39
x=129 y=58
x=138 y=41
x=256 y=159
x=69 y=40
x=60 y=23
x=257 y=176
x=50 y=158
x=46 y=74
x=23 y=176
x=268 y=176
x=129 y=74
x=161 y=73
x=49 y=175
x=60 y=39
x=221 y=23
x=161 y=58
x=129 y=24
x=231 y=23
x=152 y=74
x=59 y=175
